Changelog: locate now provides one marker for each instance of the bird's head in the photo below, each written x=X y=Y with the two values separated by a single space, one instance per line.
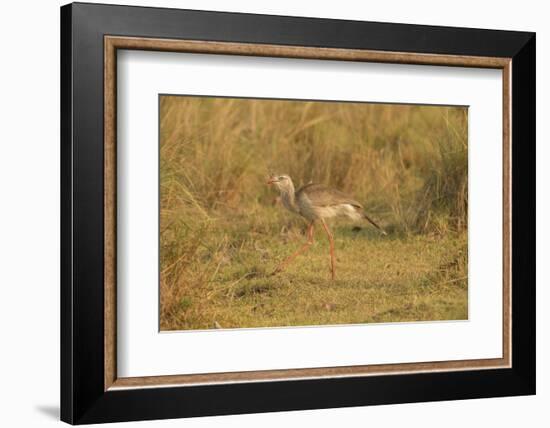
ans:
x=281 y=182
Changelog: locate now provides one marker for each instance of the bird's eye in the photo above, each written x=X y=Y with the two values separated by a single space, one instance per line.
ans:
x=282 y=177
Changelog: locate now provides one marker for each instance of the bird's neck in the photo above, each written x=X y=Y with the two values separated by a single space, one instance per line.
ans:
x=288 y=197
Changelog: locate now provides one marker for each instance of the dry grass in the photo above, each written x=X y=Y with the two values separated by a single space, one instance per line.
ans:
x=222 y=231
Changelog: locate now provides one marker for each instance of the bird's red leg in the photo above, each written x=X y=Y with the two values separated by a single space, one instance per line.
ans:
x=331 y=241
x=300 y=250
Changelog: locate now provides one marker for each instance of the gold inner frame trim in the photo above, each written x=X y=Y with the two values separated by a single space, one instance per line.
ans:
x=113 y=43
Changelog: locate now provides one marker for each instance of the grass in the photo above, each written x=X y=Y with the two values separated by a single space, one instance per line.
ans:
x=223 y=231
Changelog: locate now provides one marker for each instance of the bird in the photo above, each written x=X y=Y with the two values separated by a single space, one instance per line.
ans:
x=315 y=203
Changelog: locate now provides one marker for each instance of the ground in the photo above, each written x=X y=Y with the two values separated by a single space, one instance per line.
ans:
x=378 y=279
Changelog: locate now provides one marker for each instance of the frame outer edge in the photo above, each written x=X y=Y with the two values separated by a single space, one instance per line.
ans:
x=241 y=27
x=66 y=304
x=81 y=382
x=524 y=215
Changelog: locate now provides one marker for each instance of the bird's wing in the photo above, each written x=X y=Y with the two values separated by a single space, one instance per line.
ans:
x=325 y=196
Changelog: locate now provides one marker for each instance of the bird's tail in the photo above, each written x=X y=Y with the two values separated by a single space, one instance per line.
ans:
x=371 y=221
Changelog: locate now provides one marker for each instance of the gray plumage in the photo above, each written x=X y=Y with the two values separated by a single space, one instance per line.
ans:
x=317 y=202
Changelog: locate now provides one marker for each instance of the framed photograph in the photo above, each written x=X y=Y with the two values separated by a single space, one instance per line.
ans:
x=265 y=213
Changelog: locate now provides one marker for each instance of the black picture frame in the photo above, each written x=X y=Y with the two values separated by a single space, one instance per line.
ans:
x=83 y=399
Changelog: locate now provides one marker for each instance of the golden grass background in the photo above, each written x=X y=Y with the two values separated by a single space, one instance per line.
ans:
x=223 y=231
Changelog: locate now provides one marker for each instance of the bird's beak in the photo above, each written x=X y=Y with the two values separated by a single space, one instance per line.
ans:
x=272 y=180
